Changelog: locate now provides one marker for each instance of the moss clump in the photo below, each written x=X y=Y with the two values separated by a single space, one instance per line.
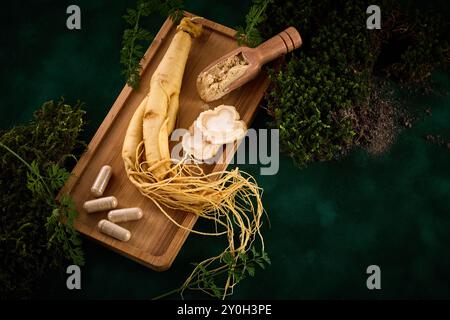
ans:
x=34 y=165
x=320 y=95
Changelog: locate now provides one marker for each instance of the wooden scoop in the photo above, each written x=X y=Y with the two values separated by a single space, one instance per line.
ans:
x=284 y=42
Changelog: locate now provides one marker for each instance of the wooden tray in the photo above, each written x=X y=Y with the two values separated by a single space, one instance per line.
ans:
x=155 y=240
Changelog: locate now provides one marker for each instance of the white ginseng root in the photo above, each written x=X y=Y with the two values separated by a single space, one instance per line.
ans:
x=161 y=107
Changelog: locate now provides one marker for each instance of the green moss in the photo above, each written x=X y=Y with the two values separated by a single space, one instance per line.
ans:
x=317 y=94
x=34 y=164
x=304 y=100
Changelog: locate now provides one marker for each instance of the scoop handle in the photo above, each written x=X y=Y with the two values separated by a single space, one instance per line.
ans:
x=282 y=43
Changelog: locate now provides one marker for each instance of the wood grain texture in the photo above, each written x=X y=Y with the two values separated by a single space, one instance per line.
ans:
x=155 y=241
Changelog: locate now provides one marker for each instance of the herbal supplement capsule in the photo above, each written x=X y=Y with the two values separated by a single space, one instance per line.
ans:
x=100 y=204
x=127 y=214
x=114 y=230
x=101 y=181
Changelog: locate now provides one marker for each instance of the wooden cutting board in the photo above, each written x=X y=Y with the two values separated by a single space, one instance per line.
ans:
x=155 y=241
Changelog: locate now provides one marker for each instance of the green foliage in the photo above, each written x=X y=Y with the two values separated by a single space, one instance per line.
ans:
x=237 y=266
x=63 y=236
x=319 y=84
x=33 y=168
x=315 y=95
x=249 y=35
x=136 y=38
x=307 y=94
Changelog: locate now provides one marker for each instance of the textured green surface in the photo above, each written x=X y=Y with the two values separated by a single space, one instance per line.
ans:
x=328 y=222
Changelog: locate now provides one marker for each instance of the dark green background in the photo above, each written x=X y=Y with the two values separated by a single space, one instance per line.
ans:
x=328 y=221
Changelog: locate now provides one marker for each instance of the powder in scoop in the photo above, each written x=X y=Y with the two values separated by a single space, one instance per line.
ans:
x=213 y=83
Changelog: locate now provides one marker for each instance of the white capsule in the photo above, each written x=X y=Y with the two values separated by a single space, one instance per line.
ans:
x=113 y=230
x=100 y=204
x=101 y=181
x=127 y=214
